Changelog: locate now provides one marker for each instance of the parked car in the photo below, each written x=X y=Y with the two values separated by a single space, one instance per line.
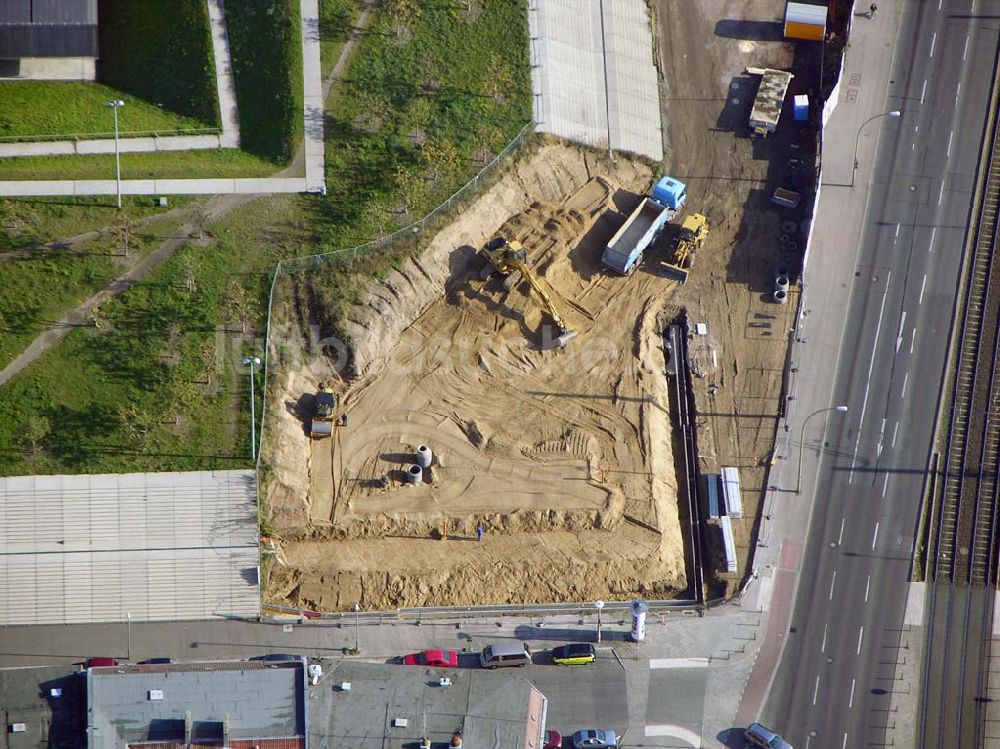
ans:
x=595 y=738
x=553 y=740
x=277 y=657
x=761 y=736
x=100 y=662
x=574 y=654
x=435 y=658
x=156 y=661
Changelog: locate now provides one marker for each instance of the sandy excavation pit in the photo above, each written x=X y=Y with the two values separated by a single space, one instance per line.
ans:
x=562 y=455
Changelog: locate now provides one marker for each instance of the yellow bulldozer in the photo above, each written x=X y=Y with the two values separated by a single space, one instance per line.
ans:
x=510 y=260
x=686 y=242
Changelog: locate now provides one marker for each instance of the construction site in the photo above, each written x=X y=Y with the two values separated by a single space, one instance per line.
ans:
x=502 y=429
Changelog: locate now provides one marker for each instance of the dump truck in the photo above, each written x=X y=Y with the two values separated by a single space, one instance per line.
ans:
x=769 y=100
x=624 y=251
x=324 y=405
x=685 y=245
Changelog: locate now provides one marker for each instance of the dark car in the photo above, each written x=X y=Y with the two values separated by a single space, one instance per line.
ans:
x=277 y=658
x=101 y=662
x=434 y=658
x=553 y=740
x=574 y=654
x=156 y=661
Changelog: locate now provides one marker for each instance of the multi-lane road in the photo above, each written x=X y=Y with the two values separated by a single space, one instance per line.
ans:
x=835 y=678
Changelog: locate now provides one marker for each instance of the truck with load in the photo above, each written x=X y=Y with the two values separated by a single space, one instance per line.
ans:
x=769 y=100
x=624 y=251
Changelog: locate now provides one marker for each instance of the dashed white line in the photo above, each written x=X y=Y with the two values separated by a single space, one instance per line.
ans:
x=913 y=339
x=923 y=285
x=933 y=42
x=930 y=247
x=951 y=136
x=906 y=379
x=844 y=744
x=868 y=585
x=965 y=50
x=822 y=648
x=941 y=193
x=897 y=231
x=874 y=539
x=958 y=91
x=885 y=485
x=861 y=636
x=833 y=581
x=899 y=341
x=923 y=91
x=840 y=538
x=868 y=380
x=850 y=702
x=895 y=430
x=816 y=689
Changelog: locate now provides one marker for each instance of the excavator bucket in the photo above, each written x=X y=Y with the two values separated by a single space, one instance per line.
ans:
x=675 y=272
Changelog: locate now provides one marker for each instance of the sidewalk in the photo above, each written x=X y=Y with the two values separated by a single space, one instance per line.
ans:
x=224 y=86
x=827 y=283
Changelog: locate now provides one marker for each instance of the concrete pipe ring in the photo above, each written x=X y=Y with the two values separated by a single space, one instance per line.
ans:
x=792 y=246
x=781 y=296
x=789 y=227
x=781 y=283
x=424 y=456
x=784 y=238
x=414 y=474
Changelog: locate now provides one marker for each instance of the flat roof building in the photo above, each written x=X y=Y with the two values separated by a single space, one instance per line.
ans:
x=48 y=39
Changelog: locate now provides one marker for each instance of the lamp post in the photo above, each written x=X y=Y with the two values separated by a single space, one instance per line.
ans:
x=128 y=628
x=802 y=437
x=252 y=361
x=857 y=140
x=357 y=617
x=598 y=605
x=115 y=105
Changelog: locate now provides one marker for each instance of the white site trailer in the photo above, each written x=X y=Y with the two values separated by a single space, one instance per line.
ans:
x=769 y=101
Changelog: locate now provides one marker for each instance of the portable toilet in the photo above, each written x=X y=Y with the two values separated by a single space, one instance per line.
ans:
x=670 y=192
x=801 y=107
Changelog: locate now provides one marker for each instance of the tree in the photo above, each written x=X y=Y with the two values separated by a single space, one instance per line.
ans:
x=239 y=306
x=36 y=428
x=439 y=156
x=410 y=187
x=499 y=80
x=401 y=12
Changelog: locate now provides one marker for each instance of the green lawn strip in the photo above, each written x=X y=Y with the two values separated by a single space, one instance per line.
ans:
x=161 y=51
x=30 y=221
x=220 y=162
x=336 y=20
x=157 y=384
x=40 y=288
x=265 y=39
x=425 y=103
x=51 y=109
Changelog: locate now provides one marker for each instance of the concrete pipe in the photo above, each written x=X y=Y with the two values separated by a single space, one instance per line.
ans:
x=781 y=296
x=789 y=227
x=415 y=474
x=792 y=246
x=784 y=238
x=781 y=282
x=424 y=456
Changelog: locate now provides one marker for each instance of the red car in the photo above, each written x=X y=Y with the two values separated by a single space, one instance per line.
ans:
x=101 y=662
x=553 y=740
x=436 y=658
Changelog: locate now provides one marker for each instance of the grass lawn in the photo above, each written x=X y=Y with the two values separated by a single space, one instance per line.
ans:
x=158 y=385
x=336 y=19
x=160 y=51
x=39 y=288
x=265 y=40
x=26 y=222
x=222 y=162
x=56 y=108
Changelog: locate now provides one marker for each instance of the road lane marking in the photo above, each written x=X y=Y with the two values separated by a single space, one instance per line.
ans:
x=840 y=538
x=965 y=50
x=958 y=92
x=656 y=663
x=885 y=485
x=833 y=582
x=906 y=378
x=861 y=636
x=881 y=431
x=680 y=732
x=951 y=136
x=930 y=247
x=896 y=236
x=913 y=339
x=850 y=702
x=868 y=585
x=816 y=690
x=941 y=193
x=895 y=430
x=875 y=536
x=868 y=380
x=822 y=648
x=933 y=42
x=899 y=341
x=923 y=91
x=923 y=285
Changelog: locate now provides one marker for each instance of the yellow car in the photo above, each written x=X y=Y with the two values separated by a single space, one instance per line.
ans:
x=574 y=654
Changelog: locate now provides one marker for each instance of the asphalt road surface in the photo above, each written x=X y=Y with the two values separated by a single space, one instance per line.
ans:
x=836 y=674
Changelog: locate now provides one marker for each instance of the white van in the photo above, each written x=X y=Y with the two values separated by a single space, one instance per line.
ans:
x=501 y=654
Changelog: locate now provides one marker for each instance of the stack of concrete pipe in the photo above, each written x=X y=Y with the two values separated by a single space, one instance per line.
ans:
x=424 y=458
x=781 y=285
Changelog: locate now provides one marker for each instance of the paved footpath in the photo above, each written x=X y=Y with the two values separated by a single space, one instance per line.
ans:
x=827 y=286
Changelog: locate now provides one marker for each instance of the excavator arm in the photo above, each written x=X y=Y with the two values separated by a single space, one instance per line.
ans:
x=543 y=295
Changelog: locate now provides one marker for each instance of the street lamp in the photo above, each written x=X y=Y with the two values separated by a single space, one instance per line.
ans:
x=857 y=140
x=115 y=105
x=128 y=624
x=802 y=437
x=357 y=616
x=252 y=361
x=598 y=605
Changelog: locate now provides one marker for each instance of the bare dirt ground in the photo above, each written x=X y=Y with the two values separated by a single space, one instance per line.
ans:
x=703 y=50
x=562 y=455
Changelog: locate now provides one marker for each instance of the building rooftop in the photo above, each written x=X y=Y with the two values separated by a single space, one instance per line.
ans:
x=392 y=707
x=48 y=28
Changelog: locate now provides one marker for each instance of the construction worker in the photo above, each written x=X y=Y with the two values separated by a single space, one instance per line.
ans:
x=479 y=532
x=872 y=10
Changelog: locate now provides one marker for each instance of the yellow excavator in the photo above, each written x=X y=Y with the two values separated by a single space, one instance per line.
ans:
x=510 y=260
